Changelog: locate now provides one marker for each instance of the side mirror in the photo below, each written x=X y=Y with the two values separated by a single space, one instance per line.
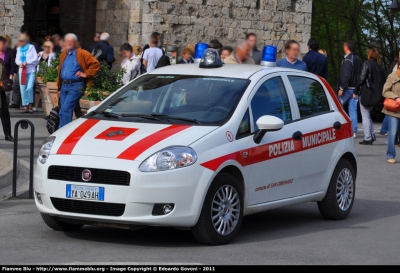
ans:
x=267 y=124
x=91 y=109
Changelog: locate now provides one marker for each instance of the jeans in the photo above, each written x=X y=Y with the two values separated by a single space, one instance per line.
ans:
x=393 y=127
x=367 y=122
x=385 y=126
x=27 y=90
x=69 y=98
x=347 y=96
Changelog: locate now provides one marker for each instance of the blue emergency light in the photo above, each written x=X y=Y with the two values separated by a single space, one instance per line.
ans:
x=198 y=51
x=269 y=56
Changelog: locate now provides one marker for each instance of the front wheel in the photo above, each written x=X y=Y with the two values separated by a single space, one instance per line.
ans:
x=222 y=212
x=339 y=198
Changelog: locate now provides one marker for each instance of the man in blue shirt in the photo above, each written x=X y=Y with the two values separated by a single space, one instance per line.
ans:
x=292 y=49
x=78 y=67
x=317 y=63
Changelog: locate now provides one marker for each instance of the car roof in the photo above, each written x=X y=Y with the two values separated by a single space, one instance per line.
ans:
x=243 y=71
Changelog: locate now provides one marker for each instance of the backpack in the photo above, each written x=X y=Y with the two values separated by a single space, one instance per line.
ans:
x=98 y=53
x=53 y=120
x=163 y=61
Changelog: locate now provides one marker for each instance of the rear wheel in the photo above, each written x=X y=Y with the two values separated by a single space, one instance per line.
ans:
x=339 y=198
x=222 y=211
x=55 y=224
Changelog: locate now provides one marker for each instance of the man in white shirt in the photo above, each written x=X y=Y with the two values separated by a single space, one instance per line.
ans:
x=152 y=55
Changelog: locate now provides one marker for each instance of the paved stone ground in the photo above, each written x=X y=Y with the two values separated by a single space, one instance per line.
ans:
x=292 y=235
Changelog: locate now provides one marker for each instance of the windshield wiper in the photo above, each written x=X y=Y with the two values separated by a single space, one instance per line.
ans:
x=105 y=114
x=151 y=117
x=177 y=118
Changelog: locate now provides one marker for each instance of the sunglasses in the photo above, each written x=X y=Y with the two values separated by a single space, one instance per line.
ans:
x=46 y=47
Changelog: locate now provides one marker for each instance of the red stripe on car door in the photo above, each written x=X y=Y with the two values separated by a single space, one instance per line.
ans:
x=280 y=148
x=142 y=145
x=70 y=142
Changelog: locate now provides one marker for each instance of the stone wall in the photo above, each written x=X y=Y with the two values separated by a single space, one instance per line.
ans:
x=11 y=17
x=183 y=22
x=190 y=21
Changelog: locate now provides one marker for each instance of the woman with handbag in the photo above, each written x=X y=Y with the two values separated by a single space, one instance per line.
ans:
x=391 y=107
x=27 y=61
x=369 y=88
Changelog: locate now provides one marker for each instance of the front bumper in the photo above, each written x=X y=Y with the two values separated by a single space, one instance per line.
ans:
x=186 y=188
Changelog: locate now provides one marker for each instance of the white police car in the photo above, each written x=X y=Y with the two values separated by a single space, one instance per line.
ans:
x=200 y=147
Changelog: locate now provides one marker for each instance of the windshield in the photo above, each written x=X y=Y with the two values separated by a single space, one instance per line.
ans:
x=176 y=99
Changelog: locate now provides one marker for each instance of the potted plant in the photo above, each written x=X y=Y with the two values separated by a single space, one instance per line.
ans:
x=104 y=84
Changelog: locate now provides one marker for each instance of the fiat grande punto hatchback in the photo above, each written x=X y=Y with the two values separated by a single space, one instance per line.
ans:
x=190 y=146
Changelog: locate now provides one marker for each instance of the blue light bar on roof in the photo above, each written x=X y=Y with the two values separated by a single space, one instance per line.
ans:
x=198 y=51
x=269 y=56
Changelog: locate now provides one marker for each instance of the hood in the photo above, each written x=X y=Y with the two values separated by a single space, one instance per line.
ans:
x=123 y=140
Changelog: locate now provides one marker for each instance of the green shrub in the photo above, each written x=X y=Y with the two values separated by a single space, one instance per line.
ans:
x=49 y=73
x=105 y=82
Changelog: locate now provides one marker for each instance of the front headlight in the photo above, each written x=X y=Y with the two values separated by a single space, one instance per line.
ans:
x=169 y=159
x=44 y=151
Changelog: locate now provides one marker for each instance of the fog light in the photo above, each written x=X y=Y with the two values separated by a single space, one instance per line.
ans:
x=162 y=209
x=167 y=209
x=38 y=198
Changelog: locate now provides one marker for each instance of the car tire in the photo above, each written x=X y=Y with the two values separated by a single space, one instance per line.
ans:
x=55 y=224
x=228 y=214
x=339 y=198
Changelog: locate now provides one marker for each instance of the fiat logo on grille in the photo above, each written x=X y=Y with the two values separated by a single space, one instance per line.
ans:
x=86 y=175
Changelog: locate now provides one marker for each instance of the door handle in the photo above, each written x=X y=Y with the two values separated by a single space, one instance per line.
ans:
x=297 y=135
x=337 y=125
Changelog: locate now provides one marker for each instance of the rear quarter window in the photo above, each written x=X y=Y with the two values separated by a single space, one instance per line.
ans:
x=310 y=95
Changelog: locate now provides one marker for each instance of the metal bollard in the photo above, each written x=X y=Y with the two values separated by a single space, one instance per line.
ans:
x=24 y=125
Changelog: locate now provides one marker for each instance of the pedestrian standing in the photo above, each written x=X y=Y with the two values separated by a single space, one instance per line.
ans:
x=5 y=114
x=255 y=54
x=241 y=54
x=76 y=70
x=56 y=39
x=7 y=55
x=153 y=54
x=391 y=90
x=186 y=56
x=27 y=61
x=292 y=50
x=27 y=33
x=103 y=51
x=226 y=51
x=91 y=45
x=130 y=63
x=316 y=62
x=369 y=90
x=46 y=56
x=350 y=72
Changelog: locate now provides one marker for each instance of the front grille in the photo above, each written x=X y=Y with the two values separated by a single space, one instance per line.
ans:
x=99 y=176
x=88 y=207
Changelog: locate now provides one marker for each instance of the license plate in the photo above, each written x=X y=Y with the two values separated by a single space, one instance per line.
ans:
x=85 y=192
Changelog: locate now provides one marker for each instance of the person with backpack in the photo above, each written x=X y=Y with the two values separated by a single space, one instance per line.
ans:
x=103 y=51
x=350 y=72
x=369 y=89
x=152 y=55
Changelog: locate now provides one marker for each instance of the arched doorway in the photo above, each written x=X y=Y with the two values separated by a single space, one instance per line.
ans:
x=48 y=17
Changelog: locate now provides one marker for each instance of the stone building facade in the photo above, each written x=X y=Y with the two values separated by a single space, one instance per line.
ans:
x=180 y=22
